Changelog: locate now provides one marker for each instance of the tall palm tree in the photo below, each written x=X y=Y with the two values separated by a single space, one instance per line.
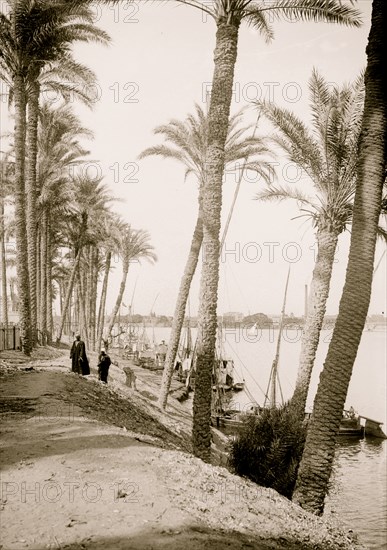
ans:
x=77 y=74
x=188 y=145
x=134 y=245
x=58 y=150
x=61 y=26
x=6 y=169
x=228 y=16
x=91 y=199
x=12 y=45
x=112 y=229
x=328 y=156
x=316 y=463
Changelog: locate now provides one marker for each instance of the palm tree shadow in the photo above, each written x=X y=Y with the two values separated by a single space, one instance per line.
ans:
x=193 y=537
x=34 y=449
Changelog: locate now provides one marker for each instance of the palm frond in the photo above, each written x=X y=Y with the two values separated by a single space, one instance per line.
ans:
x=295 y=139
x=330 y=11
x=283 y=192
x=258 y=20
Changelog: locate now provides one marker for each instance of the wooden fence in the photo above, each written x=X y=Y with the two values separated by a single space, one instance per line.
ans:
x=9 y=338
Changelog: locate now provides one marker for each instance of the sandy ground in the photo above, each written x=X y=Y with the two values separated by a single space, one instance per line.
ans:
x=89 y=466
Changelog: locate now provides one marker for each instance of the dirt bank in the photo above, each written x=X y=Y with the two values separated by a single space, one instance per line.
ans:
x=89 y=466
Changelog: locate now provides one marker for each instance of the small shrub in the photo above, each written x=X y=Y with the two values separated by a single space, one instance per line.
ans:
x=269 y=448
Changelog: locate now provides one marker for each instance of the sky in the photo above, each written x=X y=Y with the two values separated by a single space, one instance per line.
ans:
x=160 y=62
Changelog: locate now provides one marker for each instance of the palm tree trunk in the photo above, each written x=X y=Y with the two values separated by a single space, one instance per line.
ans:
x=319 y=291
x=21 y=236
x=31 y=142
x=82 y=309
x=94 y=297
x=37 y=285
x=60 y=289
x=43 y=278
x=316 y=464
x=49 y=321
x=68 y=294
x=221 y=95
x=102 y=303
x=178 y=318
x=125 y=270
x=4 y=301
x=87 y=285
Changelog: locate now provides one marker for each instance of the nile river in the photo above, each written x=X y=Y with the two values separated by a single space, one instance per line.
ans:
x=358 y=491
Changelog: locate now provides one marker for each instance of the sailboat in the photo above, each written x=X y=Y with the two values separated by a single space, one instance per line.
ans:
x=232 y=420
x=253 y=331
x=274 y=380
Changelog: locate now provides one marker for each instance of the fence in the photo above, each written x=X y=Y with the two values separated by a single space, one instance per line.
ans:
x=9 y=338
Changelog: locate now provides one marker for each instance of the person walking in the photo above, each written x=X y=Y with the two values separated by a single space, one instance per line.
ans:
x=79 y=361
x=104 y=363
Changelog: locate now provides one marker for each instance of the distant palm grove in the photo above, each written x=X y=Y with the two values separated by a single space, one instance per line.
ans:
x=67 y=231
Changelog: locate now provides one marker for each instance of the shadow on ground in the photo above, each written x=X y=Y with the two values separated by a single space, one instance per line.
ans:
x=54 y=445
x=191 y=538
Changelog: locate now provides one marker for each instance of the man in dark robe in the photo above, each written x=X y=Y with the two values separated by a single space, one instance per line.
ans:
x=104 y=363
x=79 y=361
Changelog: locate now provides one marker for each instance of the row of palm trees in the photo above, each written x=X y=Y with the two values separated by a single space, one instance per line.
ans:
x=29 y=51
x=77 y=233
x=36 y=41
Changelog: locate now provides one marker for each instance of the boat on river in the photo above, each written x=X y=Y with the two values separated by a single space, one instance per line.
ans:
x=232 y=421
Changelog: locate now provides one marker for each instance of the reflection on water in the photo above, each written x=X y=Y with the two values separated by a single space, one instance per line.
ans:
x=358 y=490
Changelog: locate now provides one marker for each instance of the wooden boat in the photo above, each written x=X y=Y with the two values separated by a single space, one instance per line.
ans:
x=350 y=424
x=357 y=425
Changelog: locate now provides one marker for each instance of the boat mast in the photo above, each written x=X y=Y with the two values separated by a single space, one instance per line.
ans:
x=237 y=188
x=274 y=369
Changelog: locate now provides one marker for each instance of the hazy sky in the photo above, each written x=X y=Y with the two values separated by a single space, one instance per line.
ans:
x=157 y=67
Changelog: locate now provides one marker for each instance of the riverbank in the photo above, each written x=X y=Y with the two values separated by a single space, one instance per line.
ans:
x=90 y=466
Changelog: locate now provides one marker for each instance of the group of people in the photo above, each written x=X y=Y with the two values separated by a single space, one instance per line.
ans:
x=80 y=362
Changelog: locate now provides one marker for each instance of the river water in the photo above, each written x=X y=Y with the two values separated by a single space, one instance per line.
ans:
x=358 y=492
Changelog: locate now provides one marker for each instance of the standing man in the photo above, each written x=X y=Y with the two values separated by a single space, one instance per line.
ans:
x=104 y=363
x=79 y=361
x=161 y=353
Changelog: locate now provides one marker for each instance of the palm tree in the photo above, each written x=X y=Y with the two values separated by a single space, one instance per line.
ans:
x=134 y=245
x=228 y=16
x=78 y=74
x=6 y=169
x=32 y=34
x=328 y=155
x=316 y=464
x=112 y=229
x=12 y=58
x=61 y=26
x=59 y=149
x=189 y=141
x=91 y=199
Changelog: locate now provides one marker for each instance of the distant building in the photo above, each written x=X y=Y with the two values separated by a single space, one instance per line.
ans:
x=233 y=317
